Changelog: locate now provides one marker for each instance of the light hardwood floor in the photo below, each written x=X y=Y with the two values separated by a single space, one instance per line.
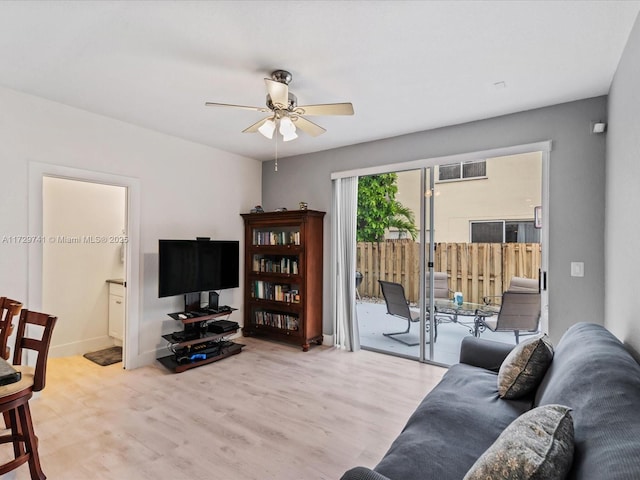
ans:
x=272 y=412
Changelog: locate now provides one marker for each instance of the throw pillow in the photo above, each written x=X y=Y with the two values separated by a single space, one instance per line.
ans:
x=522 y=371
x=538 y=445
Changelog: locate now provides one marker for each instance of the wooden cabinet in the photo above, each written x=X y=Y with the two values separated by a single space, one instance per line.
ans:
x=116 y=310
x=283 y=276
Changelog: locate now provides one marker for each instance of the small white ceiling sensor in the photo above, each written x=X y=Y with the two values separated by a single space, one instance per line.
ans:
x=598 y=127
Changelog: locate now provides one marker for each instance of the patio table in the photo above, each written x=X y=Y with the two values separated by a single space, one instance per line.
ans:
x=453 y=310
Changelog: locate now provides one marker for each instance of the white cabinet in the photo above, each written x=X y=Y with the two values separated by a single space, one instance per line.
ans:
x=116 y=310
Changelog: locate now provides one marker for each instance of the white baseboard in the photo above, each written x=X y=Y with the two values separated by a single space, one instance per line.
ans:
x=327 y=340
x=80 y=347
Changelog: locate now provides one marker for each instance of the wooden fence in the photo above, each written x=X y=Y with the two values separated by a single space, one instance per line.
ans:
x=475 y=269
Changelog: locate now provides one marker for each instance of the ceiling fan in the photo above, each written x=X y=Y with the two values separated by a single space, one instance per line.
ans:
x=284 y=111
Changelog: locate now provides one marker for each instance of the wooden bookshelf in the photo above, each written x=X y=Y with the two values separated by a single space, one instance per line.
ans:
x=283 y=276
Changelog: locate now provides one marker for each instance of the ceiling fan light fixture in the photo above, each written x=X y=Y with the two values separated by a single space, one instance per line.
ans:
x=287 y=129
x=289 y=136
x=267 y=128
x=285 y=114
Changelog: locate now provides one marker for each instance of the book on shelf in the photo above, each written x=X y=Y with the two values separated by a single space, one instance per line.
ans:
x=275 y=291
x=287 y=265
x=276 y=238
x=277 y=320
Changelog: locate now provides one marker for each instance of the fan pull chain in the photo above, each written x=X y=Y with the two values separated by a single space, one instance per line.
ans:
x=276 y=166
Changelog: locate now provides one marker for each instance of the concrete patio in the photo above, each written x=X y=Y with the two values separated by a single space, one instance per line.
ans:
x=373 y=321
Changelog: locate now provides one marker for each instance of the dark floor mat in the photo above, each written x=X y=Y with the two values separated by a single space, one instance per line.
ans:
x=105 y=357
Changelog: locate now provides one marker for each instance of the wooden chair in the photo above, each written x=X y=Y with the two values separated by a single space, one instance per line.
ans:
x=14 y=398
x=8 y=309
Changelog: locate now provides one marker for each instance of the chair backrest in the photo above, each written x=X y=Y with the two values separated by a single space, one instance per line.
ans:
x=8 y=309
x=522 y=284
x=39 y=345
x=395 y=299
x=440 y=285
x=519 y=311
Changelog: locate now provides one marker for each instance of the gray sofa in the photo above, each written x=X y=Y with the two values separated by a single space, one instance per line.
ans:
x=462 y=416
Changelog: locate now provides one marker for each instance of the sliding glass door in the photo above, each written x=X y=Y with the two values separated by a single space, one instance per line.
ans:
x=482 y=234
x=389 y=253
x=445 y=240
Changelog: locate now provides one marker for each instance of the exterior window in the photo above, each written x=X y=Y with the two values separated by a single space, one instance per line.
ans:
x=504 y=231
x=462 y=170
x=487 y=232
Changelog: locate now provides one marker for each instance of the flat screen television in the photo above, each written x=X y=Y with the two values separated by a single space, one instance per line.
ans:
x=190 y=266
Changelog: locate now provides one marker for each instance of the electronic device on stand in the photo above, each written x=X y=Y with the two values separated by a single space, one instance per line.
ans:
x=202 y=341
x=190 y=268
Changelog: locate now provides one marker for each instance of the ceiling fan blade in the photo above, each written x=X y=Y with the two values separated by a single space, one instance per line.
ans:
x=254 y=128
x=325 y=109
x=308 y=127
x=244 y=107
x=279 y=92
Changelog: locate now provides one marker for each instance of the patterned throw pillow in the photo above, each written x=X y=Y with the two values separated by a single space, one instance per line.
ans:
x=538 y=445
x=523 y=369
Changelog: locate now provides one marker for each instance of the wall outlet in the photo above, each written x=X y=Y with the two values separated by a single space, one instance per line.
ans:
x=577 y=269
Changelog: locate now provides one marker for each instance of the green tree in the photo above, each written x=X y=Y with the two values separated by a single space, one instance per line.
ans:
x=378 y=209
x=404 y=221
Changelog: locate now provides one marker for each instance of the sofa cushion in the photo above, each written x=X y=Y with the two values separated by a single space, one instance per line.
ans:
x=362 y=473
x=594 y=374
x=536 y=446
x=451 y=427
x=524 y=368
x=483 y=353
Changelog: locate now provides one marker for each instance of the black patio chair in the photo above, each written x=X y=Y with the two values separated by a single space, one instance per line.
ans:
x=398 y=306
x=517 y=284
x=519 y=312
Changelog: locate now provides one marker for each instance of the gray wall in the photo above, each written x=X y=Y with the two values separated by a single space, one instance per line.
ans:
x=622 y=281
x=576 y=216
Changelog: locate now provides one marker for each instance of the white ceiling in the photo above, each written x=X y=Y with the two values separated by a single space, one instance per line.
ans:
x=405 y=66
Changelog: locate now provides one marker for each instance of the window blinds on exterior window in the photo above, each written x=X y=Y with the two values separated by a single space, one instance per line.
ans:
x=461 y=170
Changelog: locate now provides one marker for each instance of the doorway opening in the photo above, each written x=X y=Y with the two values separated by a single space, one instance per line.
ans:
x=37 y=174
x=83 y=265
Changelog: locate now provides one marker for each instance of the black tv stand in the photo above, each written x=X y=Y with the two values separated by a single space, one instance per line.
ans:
x=197 y=345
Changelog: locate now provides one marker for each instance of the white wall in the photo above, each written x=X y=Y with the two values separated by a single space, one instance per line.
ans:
x=187 y=190
x=622 y=281
x=76 y=263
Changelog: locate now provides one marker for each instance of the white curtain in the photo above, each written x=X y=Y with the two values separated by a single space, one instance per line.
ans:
x=345 y=206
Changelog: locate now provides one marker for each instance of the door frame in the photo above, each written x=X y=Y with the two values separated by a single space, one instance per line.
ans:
x=37 y=171
x=544 y=147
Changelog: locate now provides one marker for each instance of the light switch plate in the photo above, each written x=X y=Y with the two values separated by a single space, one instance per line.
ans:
x=577 y=269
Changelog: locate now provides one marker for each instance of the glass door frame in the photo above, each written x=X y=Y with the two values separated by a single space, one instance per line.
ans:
x=426 y=263
x=428 y=164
